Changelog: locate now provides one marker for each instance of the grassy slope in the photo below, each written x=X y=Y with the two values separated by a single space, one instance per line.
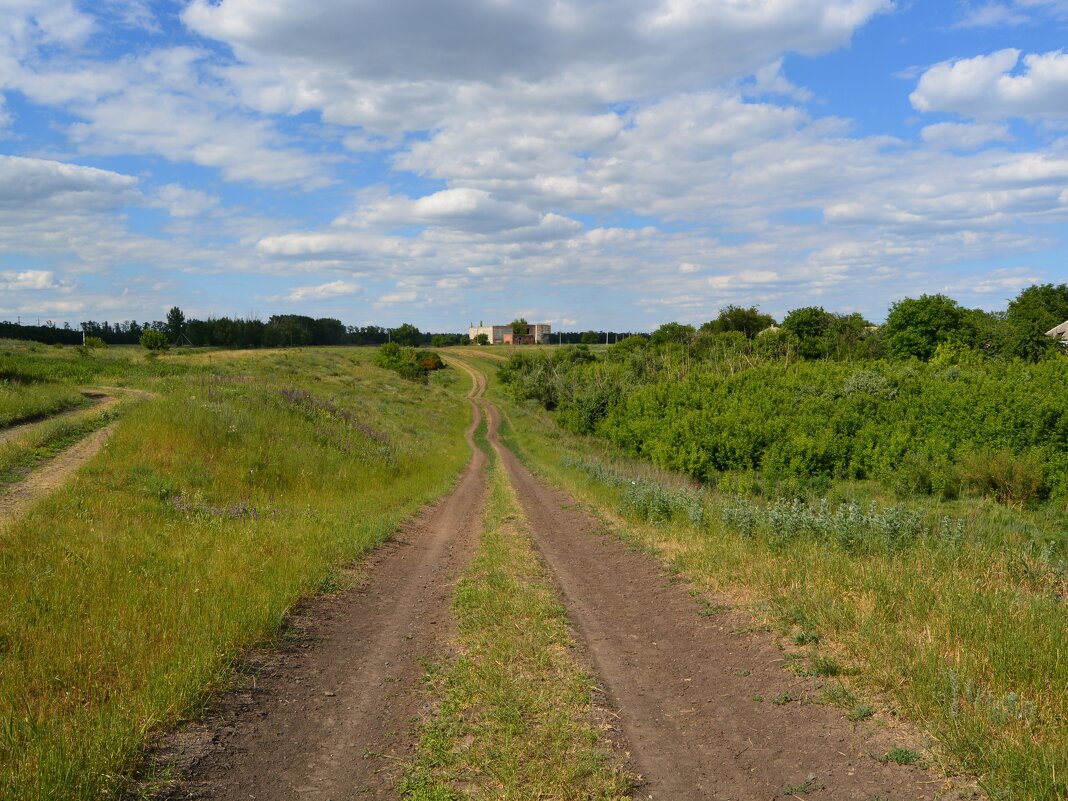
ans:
x=970 y=643
x=210 y=512
x=513 y=719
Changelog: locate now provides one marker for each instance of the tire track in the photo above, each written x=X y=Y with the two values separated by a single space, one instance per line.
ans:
x=687 y=687
x=331 y=718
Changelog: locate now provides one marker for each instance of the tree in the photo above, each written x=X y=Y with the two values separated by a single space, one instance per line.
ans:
x=1031 y=314
x=520 y=327
x=175 y=324
x=482 y=339
x=810 y=325
x=590 y=338
x=735 y=318
x=673 y=332
x=408 y=334
x=916 y=326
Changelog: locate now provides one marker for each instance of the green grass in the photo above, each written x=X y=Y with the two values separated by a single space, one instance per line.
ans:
x=967 y=638
x=21 y=401
x=129 y=594
x=46 y=440
x=514 y=711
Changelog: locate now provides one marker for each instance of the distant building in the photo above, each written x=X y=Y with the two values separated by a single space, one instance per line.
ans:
x=1060 y=332
x=536 y=333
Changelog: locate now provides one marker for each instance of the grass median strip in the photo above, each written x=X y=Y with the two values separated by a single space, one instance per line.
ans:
x=515 y=717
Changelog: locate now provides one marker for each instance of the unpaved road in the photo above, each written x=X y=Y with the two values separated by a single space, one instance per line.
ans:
x=332 y=718
x=684 y=685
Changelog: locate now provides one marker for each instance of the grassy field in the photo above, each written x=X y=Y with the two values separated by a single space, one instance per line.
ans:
x=963 y=627
x=247 y=483
x=514 y=718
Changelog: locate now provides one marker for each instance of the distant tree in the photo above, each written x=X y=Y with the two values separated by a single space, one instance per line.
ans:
x=408 y=334
x=590 y=337
x=175 y=324
x=916 y=326
x=482 y=339
x=736 y=318
x=154 y=340
x=519 y=327
x=673 y=332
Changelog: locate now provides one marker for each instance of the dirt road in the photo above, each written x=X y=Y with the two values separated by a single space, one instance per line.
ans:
x=331 y=717
x=708 y=713
x=686 y=686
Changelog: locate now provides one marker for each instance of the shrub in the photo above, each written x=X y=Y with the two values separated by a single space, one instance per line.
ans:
x=95 y=342
x=154 y=340
x=1008 y=477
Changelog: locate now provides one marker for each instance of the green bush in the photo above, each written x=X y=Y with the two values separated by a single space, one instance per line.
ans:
x=154 y=340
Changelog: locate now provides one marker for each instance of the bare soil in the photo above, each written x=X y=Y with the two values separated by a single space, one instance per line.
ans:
x=331 y=716
x=686 y=685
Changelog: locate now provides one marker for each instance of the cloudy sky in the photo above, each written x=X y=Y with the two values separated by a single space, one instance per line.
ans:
x=591 y=163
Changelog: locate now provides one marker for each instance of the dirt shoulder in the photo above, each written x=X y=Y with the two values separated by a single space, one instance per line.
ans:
x=330 y=716
x=708 y=710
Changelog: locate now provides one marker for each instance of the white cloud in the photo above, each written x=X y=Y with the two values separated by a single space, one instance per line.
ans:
x=11 y=280
x=986 y=86
x=182 y=202
x=964 y=135
x=333 y=289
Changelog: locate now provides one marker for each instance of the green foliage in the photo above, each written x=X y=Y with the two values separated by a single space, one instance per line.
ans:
x=676 y=333
x=915 y=326
x=722 y=405
x=407 y=334
x=414 y=365
x=736 y=318
x=175 y=323
x=154 y=340
x=482 y=339
x=94 y=343
x=519 y=326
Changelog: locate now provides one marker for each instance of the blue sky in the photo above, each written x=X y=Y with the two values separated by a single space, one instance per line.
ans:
x=591 y=164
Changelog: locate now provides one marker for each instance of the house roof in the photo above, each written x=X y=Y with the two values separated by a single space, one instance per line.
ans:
x=1060 y=332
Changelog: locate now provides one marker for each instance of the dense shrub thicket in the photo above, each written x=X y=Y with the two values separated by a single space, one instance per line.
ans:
x=415 y=365
x=959 y=422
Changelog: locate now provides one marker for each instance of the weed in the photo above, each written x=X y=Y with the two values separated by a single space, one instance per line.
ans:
x=860 y=712
x=809 y=785
x=900 y=756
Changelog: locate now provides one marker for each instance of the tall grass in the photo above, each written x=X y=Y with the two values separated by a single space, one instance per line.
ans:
x=128 y=594
x=962 y=626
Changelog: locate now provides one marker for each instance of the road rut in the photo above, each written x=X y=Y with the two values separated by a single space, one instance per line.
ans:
x=332 y=717
x=686 y=685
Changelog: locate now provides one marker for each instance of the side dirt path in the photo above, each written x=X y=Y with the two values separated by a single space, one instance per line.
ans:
x=331 y=716
x=708 y=711
x=17 y=498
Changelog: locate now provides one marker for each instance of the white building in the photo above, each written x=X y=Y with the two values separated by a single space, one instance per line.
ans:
x=536 y=333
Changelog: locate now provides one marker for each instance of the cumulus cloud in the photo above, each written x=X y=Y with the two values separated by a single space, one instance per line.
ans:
x=989 y=86
x=10 y=280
